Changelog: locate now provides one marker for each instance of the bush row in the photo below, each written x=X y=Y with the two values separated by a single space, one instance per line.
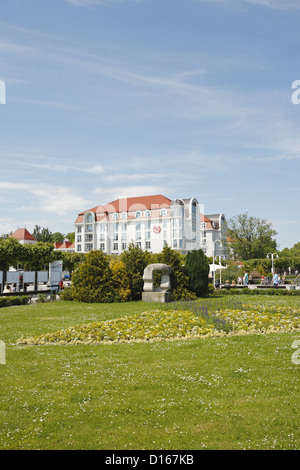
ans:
x=247 y=291
x=10 y=301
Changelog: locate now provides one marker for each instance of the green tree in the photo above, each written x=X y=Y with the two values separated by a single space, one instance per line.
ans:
x=197 y=269
x=57 y=237
x=93 y=279
x=42 y=234
x=11 y=253
x=180 y=288
x=70 y=236
x=71 y=260
x=250 y=237
x=135 y=261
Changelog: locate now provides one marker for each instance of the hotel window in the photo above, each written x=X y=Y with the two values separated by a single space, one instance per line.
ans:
x=139 y=244
x=147 y=213
x=163 y=212
x=102 y=227
x=115 y=216
x=115 y=247
x=88 y=228
x=116 y=236
x=89 y=218
x=79 y=229
x=148 y=245
x=124 y=227
x=102 y=237
x=78 y=238
x=138 y=233
x=88 y=246
x=124 y=215
x=78 y=247
x=148 y=235
x=88 y=237
x=124 y=236
x=102 y=246
x=124 y=245
x=194 y=216
x=138 y=214
x=174 y=243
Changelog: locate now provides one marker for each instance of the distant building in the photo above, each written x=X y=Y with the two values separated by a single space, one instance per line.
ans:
x=66 y=246
x=151 y=222
x=24 y=237
x=213 y=227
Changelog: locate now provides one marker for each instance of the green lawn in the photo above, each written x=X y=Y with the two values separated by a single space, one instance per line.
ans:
x=232 y=392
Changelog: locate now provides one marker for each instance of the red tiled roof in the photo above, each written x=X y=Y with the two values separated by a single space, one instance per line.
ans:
x=66 y=244
x=23 y=234
x=57 y=245
x=130 y=204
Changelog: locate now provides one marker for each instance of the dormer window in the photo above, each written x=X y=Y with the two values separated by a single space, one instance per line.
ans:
x=138 y=214
x=115 y=216
x=89 y=218
x=147 y=213
x=124 y=215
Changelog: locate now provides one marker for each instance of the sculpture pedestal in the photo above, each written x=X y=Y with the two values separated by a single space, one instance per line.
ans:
x=161 y=297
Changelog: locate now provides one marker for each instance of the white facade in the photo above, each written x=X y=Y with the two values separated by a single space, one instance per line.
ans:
x=213 y=239
x=151 y=222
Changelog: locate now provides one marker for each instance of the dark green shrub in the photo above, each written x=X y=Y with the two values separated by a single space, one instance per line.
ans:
x=3 y=301
x=180 y=288
x=135 y=261
x=197 y=267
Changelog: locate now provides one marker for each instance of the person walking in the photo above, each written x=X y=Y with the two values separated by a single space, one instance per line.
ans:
x=275 y=279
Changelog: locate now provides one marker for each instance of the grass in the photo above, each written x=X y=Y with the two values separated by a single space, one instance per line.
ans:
x=231 y=392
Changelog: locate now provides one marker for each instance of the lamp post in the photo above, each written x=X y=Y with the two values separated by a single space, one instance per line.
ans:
x=221 y=246
x=220 y=259
x=272 y=256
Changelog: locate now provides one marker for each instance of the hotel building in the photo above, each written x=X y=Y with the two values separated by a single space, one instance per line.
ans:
x=148 y=221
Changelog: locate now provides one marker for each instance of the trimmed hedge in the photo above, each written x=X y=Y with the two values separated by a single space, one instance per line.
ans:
x=10 y=301
x=258 y=291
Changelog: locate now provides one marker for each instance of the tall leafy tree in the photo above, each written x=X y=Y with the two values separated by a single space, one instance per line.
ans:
x=250 y=237
x=42 y=234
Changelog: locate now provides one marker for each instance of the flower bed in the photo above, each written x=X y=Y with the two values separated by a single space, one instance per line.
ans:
x=154 y=325
x=261 y=318
x=176 y=324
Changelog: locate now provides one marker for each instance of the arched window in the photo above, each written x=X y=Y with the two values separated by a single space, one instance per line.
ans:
x=124 y=215
x=163 y=212
x=138 y=214
x=147 y=213
x=89 y=218
x=115 y=216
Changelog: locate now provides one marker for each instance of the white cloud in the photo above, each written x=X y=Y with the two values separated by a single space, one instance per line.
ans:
x=95 y=169
x=51 y=199
x=110 y=194
x=277 y=4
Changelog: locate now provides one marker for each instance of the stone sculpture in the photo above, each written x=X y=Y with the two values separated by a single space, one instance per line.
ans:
x=152 y=293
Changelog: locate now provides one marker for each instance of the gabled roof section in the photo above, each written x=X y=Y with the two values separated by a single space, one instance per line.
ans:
x=23 y=234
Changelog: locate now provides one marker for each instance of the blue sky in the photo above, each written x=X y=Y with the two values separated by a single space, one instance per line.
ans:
x=185 y=98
